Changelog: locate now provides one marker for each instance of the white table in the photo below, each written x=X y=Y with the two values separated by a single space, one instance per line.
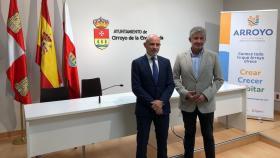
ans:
x=55 y=126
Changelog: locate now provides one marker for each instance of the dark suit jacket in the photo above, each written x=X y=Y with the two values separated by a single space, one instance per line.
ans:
x=145 y=89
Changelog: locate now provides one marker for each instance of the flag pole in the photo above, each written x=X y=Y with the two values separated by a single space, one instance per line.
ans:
x=21 y=139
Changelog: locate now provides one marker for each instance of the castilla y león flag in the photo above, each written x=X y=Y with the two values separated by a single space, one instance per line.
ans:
x=45 y=54
x=70 y=63
x=17 y=70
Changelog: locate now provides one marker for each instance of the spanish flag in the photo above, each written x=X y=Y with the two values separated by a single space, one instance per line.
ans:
x=45 y=54
x=17 y=70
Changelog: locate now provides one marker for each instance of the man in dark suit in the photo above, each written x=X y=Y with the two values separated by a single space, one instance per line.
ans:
x=152 y=83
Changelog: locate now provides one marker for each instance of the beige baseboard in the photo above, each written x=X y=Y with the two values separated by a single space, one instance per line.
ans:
x=224 y=146
x=270 y=141
x=11 y=134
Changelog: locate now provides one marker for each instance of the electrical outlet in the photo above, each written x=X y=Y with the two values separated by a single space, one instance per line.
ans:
x=277 y=96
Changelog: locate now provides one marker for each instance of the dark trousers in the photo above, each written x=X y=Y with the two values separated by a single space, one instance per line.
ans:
x=161 y=123
x=206 y=124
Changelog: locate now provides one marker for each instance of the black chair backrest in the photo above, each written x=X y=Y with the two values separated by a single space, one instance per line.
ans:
x=54 y=94
x=91 y=87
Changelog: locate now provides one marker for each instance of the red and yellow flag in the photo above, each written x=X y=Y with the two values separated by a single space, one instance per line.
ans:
x=17 y=70
x=45 y=54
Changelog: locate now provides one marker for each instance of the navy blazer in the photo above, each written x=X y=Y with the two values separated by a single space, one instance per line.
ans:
x=146 y=90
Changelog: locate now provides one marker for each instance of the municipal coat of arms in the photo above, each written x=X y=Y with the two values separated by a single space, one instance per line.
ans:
x=101 y=33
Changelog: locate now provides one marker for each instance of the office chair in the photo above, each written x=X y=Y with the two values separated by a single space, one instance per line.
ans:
x=91 y=87
x=54 y=94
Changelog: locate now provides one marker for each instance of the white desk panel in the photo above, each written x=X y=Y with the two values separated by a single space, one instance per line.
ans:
x=59 y=125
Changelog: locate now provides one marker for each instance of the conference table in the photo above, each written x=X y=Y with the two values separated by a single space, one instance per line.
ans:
x=59 y=125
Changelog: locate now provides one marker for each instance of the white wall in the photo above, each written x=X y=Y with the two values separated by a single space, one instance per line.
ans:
x=235 y=5
x=171 y=18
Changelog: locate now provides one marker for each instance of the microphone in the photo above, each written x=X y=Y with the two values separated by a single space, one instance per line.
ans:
x=115 y=85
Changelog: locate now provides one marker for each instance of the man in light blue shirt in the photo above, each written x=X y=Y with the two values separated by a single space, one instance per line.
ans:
x=196 y=58
x=197 y=76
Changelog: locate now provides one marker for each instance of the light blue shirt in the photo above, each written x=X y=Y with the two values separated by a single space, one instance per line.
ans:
x=196 y=59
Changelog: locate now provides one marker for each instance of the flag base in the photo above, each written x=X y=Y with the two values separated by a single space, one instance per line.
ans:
x=19 y=140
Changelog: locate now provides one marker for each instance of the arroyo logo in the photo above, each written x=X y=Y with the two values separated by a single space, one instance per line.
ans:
x=100 y=33
x=253 y=21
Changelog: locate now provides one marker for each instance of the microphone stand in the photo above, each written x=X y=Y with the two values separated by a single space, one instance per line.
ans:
x=116 y=85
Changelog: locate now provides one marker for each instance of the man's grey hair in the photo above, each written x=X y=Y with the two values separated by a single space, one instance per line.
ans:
x=198 y=29
x=151 y=36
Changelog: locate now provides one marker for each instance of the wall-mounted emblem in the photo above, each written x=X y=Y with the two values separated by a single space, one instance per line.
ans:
x=101 y=33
